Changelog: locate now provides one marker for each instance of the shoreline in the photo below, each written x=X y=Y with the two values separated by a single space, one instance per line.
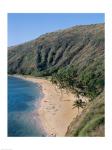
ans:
x=55 y=110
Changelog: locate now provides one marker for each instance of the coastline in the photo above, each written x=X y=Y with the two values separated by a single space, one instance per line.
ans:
x=55 y=110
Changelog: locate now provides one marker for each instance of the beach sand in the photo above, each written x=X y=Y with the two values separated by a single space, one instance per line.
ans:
x=56 y=109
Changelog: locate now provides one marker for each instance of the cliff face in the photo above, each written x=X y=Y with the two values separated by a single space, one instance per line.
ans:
x=81 y=46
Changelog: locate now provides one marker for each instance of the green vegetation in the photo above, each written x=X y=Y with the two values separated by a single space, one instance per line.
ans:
x=91 y=120
x=92 y=79
x=79 y=104
x=89 y=82
x=64 y=78
x=74 y=60
x=91 y=125
x=79 y=46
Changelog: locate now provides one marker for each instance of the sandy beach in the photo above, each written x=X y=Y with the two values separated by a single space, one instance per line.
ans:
x=56 y=110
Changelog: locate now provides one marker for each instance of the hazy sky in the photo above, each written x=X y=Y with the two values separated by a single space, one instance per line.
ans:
x=25 y=27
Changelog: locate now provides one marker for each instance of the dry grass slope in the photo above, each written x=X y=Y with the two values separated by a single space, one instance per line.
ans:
x=91 y=121
x=81 y=47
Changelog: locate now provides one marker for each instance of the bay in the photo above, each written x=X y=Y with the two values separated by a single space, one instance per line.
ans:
x=23 y=102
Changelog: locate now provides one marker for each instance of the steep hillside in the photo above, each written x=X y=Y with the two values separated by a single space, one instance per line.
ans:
x=81 y=46
x=75 y=58
x=91 y=121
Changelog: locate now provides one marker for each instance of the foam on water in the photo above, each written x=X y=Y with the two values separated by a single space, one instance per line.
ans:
x=23 y=97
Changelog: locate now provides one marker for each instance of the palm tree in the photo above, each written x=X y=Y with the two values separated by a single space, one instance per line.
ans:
x=79 y=104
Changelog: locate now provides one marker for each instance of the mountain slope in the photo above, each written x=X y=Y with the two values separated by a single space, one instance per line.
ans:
x=81 y=46
x=91 y=120
x=79 y=49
